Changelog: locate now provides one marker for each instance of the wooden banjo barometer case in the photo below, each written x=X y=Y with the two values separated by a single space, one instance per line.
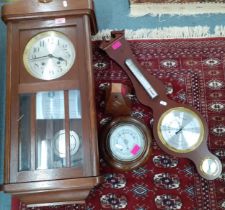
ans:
x=178 y=129
x=51 y=149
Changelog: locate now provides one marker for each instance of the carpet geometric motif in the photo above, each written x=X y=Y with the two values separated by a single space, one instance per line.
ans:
x=193 y=71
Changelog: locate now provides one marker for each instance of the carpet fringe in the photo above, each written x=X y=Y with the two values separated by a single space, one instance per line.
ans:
x=154 y=9
x=166 y=33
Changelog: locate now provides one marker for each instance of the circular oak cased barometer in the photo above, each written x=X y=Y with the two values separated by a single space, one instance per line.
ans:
x=125 y=142
x=51 y=153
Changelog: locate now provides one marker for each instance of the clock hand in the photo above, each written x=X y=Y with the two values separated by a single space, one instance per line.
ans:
x=41 y=57
x=49 y=56
x=58 y=58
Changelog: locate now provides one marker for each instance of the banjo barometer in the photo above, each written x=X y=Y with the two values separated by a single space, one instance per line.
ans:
x=179 y=129
x=51 y=152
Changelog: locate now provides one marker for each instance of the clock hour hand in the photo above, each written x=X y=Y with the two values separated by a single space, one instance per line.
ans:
x=58 y=58
x=49 y=56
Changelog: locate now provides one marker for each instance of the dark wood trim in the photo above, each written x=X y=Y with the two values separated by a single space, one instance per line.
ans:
x=33 y=132
x=56 y=192
x=67 y=128
x=77 y=183
x=50 y=85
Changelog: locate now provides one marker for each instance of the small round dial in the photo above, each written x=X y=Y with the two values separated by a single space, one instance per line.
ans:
x=211 y=166
x=126 y=141
x=180 y=129
x=49 y=55
x=60 y=143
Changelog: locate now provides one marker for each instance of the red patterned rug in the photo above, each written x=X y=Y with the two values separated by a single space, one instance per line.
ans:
x=194 y=72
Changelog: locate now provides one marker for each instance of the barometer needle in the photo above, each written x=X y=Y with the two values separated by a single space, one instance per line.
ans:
x=179 y=130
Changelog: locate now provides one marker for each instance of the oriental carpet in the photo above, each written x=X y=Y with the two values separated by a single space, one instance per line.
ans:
x=193 y=71
x=175 y=7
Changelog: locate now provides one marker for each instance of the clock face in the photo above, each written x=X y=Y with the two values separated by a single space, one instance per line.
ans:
x=180 y=130
x=49 y=55
x=126 y=141
x=60 y=143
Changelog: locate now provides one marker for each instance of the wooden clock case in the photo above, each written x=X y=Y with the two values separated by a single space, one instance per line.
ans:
x=25 y=19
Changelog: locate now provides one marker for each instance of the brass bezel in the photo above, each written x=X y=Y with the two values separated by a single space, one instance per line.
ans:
x=39 y=36
x=183 y=109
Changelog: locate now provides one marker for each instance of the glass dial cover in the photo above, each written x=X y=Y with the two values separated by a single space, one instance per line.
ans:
x=126 y=142
x=180 y=130
x=60 y=143
x=49 y=55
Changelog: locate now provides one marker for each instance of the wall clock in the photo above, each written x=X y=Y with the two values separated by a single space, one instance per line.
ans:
x=179 y=129
x=51 y=153
x=125 y=142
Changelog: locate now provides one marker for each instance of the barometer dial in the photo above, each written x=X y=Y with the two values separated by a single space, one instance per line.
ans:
x=180 y=130
x=125 y=143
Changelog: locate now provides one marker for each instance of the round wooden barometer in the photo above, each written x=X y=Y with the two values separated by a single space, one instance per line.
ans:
x=125 y=142
x=51 y=153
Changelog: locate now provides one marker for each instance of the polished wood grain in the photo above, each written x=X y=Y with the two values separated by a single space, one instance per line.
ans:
x=38 y=187
x=25 y=10
x=117 y=102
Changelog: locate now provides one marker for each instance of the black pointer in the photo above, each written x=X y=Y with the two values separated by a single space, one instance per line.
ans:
x=59 y=58
x=179 y=130
x=49 y=56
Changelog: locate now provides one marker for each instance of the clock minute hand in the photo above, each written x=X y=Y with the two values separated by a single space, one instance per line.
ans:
x=41 y=57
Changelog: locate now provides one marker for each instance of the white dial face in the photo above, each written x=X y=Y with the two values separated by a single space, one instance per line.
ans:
x=126 y=142
x=49 y=55
x=210 y=166
x=60 y=143
x=180 y=129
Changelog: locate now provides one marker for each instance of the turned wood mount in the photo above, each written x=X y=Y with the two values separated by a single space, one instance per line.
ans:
x=117 y=101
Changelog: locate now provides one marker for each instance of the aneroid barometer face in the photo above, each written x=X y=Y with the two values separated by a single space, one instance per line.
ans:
x=49 y=55
x=126 y=142
x=180 y=130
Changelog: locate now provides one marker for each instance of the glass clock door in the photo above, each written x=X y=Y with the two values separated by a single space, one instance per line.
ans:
x=50 y=130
